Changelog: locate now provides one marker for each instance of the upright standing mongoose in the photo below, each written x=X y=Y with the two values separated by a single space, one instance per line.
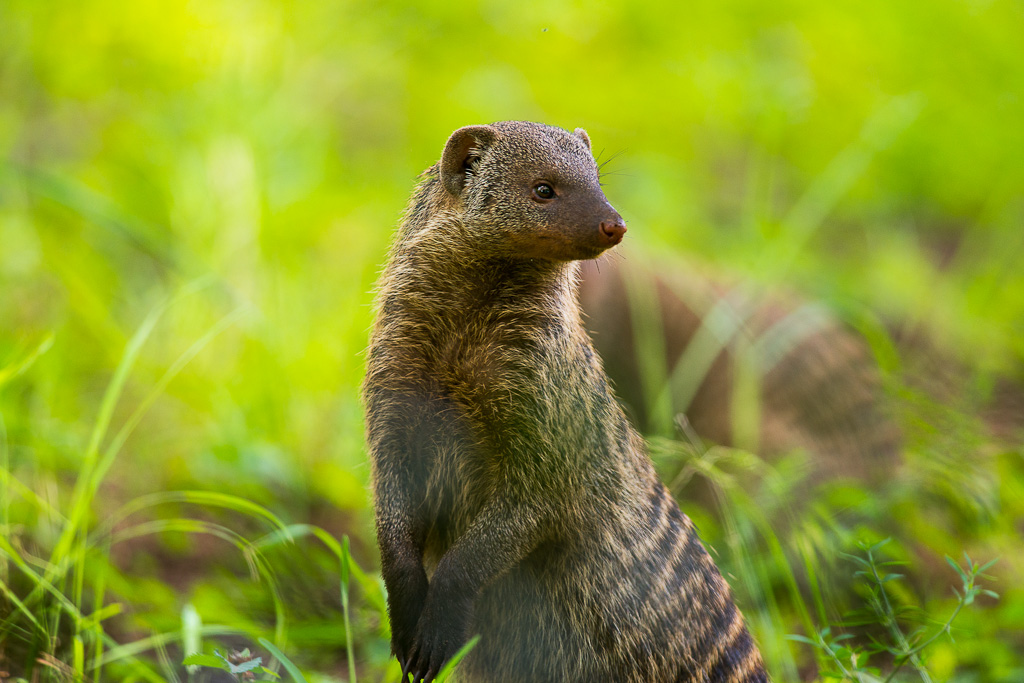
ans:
x=513 y=499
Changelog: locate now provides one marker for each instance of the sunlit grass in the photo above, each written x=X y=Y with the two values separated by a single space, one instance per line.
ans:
x=195 y=201
x=60 y=622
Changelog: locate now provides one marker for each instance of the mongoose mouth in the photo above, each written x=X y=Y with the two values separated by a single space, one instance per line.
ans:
x=573 y=245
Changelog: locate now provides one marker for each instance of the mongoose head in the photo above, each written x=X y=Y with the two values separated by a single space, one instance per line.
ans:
x=530 y=190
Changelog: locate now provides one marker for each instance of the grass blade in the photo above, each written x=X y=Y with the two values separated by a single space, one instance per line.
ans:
x=226 y=501
x=191 y=633
x=448 y=668
x=345 y=559
x=292 y=670
x=18 y=368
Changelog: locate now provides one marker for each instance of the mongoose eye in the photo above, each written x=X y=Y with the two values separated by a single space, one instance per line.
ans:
x=543 y=191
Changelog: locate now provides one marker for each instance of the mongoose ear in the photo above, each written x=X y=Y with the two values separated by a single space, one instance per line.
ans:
x=464 y=148
x=582 y=134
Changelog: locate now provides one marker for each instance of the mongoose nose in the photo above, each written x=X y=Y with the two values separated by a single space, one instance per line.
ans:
x=612 y=231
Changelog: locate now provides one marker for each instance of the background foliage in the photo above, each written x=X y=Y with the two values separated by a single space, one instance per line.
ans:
x=195 y=199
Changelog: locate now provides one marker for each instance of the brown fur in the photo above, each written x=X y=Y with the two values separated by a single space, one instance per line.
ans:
x=513 y=498
x=819 y=389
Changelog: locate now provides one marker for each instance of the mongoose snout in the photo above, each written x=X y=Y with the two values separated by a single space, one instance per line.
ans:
x=612 y=231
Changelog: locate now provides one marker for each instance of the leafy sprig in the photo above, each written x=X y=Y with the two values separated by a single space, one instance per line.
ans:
x=850 y=662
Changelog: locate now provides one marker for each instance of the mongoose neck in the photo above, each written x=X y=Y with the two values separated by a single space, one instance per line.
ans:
x=464 y=285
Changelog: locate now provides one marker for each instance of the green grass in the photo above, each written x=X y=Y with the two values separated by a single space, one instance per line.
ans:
x=195 y=201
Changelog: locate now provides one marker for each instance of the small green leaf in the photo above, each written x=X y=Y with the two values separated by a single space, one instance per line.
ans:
x=987 y=565
x=878 y=545
x=857 y=559
x=958 y=568
x=199 y=659
x=246 y=666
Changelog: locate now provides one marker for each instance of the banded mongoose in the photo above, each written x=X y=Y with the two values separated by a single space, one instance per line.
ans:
x=513 y=498
x=819 y=388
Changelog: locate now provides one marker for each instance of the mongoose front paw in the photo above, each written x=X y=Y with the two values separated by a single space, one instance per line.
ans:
x=438 y=638
x=402 y=646
x=405 y=605
x=427 y=659
x=403 y=632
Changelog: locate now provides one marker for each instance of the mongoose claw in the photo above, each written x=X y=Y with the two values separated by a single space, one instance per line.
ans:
x=425 y=664
x=433 y=648
x=405 y=603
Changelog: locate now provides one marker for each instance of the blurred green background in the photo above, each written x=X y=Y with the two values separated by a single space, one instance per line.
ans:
x=225 y=177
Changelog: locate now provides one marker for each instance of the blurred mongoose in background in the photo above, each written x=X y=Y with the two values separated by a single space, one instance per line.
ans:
x=818 y=386
x=513 y=498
